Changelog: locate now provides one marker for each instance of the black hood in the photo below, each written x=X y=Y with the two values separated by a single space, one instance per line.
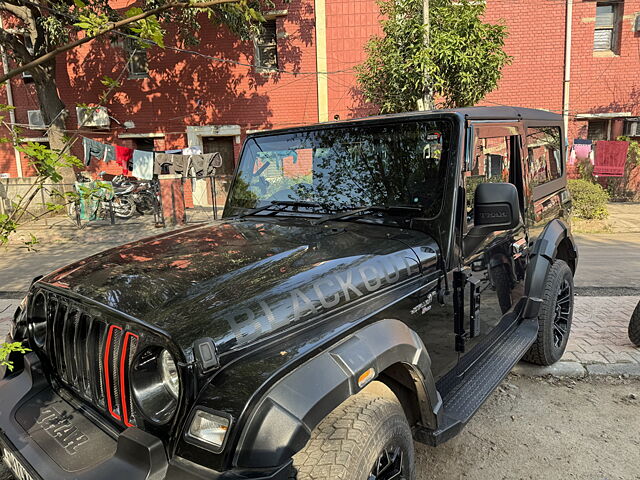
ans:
x=240 y=280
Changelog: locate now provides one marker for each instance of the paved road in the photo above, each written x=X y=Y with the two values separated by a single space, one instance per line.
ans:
x=609 y=260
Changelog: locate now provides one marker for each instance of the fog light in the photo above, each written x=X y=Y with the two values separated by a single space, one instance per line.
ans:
x=209 y=428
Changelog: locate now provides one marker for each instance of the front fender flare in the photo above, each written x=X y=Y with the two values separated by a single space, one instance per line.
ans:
x=282 y=422
x=541 y=257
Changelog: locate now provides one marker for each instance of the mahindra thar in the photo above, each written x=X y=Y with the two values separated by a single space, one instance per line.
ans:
x=370 y=284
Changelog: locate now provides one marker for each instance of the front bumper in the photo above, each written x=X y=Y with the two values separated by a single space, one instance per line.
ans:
x=53 y=440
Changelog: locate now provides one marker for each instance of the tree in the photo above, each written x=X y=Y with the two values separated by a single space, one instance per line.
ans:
x=463 y=61
x=40 y=31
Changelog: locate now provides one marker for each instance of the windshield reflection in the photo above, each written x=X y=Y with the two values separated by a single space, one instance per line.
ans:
x=345 y=168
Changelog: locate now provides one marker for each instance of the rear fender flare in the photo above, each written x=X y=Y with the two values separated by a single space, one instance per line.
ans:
x=541 y=257
x=282 y=422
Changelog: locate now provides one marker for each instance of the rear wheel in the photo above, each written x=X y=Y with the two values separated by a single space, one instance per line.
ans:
x=634 y=326
x=556 y=313
x=366 y=438
x=123 y=207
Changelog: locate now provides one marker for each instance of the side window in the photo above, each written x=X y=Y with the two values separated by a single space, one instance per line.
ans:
x=545 y=154
x=266 y=44
x=489 y=163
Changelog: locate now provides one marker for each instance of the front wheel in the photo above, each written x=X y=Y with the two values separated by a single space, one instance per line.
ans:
x=556 y=313
x=366 y=438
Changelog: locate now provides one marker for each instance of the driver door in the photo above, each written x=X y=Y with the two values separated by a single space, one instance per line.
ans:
x=494 y=269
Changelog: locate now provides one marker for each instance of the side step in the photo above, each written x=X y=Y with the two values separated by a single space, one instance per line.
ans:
x=465 y=388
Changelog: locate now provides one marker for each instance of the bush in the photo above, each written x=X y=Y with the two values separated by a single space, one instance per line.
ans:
x=589 y=200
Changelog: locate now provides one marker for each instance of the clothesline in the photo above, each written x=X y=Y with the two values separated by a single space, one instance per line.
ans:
x=145 y=164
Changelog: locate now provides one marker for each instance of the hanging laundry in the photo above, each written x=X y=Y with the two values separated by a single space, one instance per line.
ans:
x=572 y=157
x=123 y=158
x=181 y=164
x=142 y=164
x=92 y=149
x=109 y=153
x=206 y=164
x=582 y=148
x=611 y=157
x=162 y=164
x=192 y=151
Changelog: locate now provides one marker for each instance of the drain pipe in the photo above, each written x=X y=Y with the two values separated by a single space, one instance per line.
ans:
x=12 y=113
x=567 y=65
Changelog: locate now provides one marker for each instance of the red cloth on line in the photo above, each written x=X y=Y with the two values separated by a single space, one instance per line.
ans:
x=610 y=158
x=123 y=158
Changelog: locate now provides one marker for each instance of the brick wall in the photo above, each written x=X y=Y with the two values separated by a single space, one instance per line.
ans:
x=184 y=89
x=350 y=24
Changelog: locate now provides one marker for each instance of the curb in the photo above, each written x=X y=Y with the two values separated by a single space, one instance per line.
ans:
x=578 y=370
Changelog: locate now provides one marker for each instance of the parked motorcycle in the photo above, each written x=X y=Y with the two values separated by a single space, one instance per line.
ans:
x=102 y=201
x=139 y=195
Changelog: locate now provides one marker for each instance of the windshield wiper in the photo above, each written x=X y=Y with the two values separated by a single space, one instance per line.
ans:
x=365 y=209
x=281 y=203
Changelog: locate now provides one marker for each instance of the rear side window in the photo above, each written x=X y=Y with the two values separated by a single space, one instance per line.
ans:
x=545 y=154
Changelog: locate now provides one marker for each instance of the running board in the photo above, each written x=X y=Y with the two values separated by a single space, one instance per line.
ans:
x=466 y=387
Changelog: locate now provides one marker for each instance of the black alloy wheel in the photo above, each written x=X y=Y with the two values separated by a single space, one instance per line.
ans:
x=555 y=316
x=562 y=313
x=389 y=465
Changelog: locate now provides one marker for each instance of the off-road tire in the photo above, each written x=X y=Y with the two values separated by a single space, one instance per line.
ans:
x=349 y=441
x=544 y=351
x=634 y=326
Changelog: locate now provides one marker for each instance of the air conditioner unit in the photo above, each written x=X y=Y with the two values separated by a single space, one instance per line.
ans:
x=36 y=120
x=96 y=117
x=632 y=128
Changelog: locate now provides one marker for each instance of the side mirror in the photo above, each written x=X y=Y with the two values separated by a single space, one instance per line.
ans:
x=496 y=208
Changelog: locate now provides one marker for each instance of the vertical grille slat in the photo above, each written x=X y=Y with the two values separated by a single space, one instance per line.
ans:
x=99 y=338
x=58 y=331
x=91 y=356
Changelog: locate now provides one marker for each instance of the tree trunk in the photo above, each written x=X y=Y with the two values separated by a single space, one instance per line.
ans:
x=54 y=112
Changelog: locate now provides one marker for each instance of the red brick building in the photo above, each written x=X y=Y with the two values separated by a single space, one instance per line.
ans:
x=212 y=98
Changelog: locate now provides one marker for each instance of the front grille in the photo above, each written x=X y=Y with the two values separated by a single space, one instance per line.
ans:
x=90 y=355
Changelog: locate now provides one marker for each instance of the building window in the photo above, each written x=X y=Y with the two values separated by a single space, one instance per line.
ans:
x=598 y=130
x=632 y=127
x=137 y=55
x=544 y=145
x=266 y=44
x=606 y=35
x=145 y=144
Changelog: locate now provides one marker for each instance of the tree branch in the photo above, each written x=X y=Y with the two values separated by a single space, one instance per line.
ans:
x=21 y=12
x=114 y=26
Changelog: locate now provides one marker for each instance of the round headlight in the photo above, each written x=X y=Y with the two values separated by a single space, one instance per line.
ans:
x=38 y=321
x=170 y=373
x=155 y=383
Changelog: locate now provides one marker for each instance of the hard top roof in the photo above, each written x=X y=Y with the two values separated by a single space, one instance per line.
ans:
x=469 y=113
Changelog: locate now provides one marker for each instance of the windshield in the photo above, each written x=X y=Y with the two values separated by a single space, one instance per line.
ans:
x=393 y=165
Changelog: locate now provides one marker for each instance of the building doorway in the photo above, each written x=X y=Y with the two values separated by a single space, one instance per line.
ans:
x=224 y=146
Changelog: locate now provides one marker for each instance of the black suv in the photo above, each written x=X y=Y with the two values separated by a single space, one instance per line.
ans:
x=372 y=282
